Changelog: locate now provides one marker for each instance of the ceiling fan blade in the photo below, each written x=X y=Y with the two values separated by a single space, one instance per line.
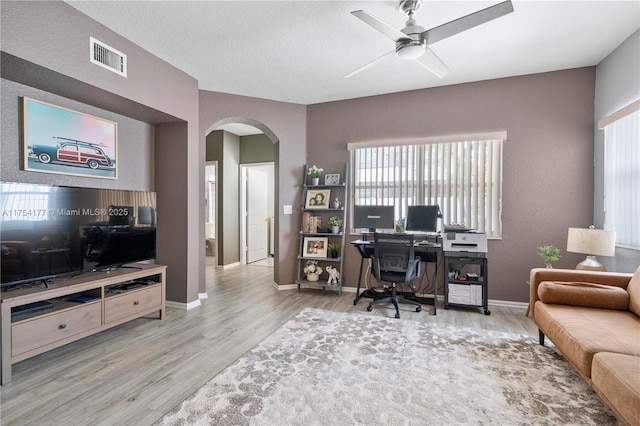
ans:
x=370 y=64
x=379 y=25
x=430 y=61
x=467 y=22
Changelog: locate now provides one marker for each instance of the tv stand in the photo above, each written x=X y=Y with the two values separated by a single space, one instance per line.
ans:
x=81 y=306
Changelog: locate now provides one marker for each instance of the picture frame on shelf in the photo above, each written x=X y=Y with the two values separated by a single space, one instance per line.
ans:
x=315 y=246
x=318 y=199
x=332 y=179
x=63 y=141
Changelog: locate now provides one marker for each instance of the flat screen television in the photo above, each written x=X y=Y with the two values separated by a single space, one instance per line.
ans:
x=48 y=231
x=373 y=217
x=422 y=218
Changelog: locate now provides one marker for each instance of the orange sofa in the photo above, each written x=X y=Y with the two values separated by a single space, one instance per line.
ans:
x=593 y=318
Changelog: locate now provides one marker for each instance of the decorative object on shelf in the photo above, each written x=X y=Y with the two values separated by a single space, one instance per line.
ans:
x=312 y=270
x=315 y=247
x=336 y=203
x=549 y=254
x=591 y=242
x=334 y=249
x=334 y=275
x=314 y=173
x=332 y=179
x=318 y=199
x=336 y=223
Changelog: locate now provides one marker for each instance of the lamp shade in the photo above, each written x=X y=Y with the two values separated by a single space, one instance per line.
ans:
x=590 y=241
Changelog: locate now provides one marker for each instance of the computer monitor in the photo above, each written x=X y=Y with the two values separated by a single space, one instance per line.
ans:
x=422 y=218
x=373 y=217
x=120 y=215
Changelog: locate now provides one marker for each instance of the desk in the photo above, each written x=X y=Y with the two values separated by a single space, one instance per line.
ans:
x=428 y=253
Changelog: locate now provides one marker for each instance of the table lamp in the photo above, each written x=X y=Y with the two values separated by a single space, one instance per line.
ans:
x=592 y=242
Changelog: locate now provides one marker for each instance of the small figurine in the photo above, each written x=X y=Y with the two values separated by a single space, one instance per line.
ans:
x=334 y=275
x=336 y=203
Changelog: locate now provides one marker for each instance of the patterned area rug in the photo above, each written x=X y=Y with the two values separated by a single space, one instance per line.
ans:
x=332 y=368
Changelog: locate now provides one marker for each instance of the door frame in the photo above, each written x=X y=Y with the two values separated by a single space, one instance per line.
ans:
x=243 y=206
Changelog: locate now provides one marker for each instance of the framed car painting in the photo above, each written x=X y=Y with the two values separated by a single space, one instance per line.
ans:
x=60 y=140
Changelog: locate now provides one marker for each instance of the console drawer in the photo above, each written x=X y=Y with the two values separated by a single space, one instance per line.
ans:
x=132 y=303
x=47 y=329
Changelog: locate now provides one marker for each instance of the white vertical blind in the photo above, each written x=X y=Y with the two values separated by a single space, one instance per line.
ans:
x=462 y=177
x=622 y=179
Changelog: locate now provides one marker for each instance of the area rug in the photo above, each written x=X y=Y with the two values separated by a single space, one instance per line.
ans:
x=332 y=368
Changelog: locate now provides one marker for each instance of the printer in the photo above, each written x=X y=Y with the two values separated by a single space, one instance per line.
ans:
x=464 y=241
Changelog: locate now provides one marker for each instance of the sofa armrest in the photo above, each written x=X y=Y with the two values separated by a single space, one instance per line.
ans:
x=538 y=275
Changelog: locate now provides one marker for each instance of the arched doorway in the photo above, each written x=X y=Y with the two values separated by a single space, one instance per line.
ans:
x=236 y=146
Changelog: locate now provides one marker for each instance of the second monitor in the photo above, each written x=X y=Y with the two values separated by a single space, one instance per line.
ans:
x=422 y=218
x=373 y=217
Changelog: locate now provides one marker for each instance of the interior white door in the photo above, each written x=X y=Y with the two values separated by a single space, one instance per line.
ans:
x=257 y=215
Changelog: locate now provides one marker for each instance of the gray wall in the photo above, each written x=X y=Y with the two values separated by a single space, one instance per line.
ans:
x=548 y=156
x=286 y=125
x=617 y=85
x=45 y=46
x=256 y=149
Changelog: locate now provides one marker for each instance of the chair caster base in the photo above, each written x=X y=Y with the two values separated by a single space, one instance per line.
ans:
x=369 y=308
x=419 y=309
x=397 y=315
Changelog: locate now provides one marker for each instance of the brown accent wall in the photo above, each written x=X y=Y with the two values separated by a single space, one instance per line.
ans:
x=548 y=157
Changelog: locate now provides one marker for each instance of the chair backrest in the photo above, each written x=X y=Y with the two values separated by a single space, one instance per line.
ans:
x=146 y=215
x=394 y=256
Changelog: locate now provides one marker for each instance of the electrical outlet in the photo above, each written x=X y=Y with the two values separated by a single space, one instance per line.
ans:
x=287 y=209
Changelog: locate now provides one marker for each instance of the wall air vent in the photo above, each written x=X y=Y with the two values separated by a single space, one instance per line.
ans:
x=108 y=57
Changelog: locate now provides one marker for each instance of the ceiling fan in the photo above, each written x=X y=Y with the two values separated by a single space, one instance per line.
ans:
x=412 y=42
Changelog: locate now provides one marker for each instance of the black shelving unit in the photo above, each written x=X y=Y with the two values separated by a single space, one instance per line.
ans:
x=337 y=190
x=470 y=291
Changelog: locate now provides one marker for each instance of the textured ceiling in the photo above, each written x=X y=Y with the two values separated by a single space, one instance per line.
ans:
x=299 y=51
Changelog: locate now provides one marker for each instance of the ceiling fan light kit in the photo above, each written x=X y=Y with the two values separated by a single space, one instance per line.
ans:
x=413 y=41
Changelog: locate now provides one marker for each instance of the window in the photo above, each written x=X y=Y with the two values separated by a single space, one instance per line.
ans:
x=622 y=176
x=23 y=201
x=462 y=174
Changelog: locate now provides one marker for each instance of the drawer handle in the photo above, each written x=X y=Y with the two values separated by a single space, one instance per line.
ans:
x=136 y=303
x=62 y=326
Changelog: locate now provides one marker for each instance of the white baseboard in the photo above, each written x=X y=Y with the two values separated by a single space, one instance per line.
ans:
x=182 y=305
x=231 y=265
x=203 y=296
x=492 y=302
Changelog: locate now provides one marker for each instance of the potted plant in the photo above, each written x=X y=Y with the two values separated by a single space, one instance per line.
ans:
x=336 y=223
x=312 y=270
x=314 y=173
x=333 y=250
x=549 y=254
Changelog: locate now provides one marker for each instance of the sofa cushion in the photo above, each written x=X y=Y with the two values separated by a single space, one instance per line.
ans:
x=616 y=378
x=590 y=295
x=579 y=333
x=634 y=292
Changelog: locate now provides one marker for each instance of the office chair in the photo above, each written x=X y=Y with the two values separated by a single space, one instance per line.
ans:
x=146 y=215
x=394 y=261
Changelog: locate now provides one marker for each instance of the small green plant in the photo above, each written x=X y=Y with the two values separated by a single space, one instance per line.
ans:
x=315 y=172
x=549 y=253
x=333 y=248
x=335 y=221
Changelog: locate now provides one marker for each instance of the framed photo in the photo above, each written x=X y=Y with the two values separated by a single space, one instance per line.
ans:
x=332 y=179
x=63 y=141
x=318 y=199
x=315 y=246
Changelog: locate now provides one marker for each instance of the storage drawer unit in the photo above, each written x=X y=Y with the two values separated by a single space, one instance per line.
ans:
x=132 y=303
x=46 y=329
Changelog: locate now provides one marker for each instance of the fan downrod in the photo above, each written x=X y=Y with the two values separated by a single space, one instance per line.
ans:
x=409 y=7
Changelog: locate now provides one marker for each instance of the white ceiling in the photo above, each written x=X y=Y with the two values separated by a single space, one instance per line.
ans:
x=299 y=51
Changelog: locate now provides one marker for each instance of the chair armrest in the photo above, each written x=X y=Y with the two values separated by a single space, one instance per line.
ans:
x=538 y=275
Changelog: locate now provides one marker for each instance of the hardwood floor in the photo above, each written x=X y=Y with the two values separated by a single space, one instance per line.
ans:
x=135 y=373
